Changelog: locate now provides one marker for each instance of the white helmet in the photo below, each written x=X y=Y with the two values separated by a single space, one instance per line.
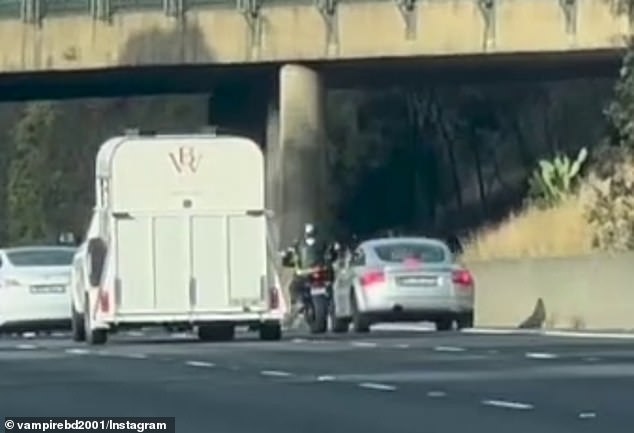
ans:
x=309 y=229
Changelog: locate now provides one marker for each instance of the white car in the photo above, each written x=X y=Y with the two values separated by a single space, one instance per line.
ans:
x=34 y=288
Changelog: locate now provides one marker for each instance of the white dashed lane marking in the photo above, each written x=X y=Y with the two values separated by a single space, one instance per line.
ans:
x=275 y=373
x=26 y=346
x=135 y=356
x=377 y=386
x=135 y=333
x=363 y=344
x=508 y=404
x=540 y=355
x=587 y=415
x=78 y=351
x=436 y=394
x=448 y=349
x=200 y=364
x=325 y=378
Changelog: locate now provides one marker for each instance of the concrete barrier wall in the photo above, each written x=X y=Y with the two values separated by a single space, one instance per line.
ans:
x=589 y=292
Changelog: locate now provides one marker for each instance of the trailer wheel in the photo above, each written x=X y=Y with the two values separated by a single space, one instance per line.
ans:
x=217 y=332
x=97 y=250
x=77 y=325
x=93 y=336
x=270 y=331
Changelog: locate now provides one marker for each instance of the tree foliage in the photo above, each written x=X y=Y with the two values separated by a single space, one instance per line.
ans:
x=620 y=112
x=27 y=181
x=610 y=186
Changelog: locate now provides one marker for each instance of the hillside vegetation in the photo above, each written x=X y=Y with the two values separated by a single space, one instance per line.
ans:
x=576 y=206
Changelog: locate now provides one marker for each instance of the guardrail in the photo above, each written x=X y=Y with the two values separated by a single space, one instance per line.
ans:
x=37 y=10
x=593 y=292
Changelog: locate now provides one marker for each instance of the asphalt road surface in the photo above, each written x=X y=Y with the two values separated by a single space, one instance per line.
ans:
x=388 y=382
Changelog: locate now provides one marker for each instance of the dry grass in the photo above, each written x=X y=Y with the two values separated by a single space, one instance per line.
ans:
x=557 y=232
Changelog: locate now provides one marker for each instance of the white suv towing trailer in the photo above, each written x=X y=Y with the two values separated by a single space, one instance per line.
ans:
x=178 y=239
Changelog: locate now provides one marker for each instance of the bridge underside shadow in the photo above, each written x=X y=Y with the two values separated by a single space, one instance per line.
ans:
x=364 y=73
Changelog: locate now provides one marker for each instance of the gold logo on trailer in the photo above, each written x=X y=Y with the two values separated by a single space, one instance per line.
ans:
x=186 y=159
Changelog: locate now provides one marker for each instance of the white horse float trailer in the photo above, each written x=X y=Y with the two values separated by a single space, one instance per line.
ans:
x=178 y=238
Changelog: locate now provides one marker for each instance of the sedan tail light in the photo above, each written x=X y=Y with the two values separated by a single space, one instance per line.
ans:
x=462 y=278
x=371 y=278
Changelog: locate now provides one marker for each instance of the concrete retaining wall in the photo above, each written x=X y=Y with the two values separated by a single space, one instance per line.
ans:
x=589 y=292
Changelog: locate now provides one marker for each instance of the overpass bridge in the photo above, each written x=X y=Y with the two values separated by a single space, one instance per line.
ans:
x=262 y=59
x=85 y=34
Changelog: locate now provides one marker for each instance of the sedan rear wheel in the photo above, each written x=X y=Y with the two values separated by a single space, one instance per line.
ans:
x=465 y=320
x=360 y=322
x=444 y=324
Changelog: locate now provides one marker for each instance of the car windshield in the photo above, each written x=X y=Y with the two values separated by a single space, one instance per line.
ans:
x=25 y=257
x=399 y=252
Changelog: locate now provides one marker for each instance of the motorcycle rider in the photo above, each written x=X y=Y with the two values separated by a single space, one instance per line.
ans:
x=310 y=251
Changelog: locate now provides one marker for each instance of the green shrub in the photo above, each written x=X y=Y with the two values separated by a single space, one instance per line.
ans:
x=554 y=181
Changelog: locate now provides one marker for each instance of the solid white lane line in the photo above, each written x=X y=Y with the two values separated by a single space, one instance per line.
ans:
x=200 y=364
x=508 y=404
x=275 y=373
x=377 y=386
x=539 y=355
x=626 y=335
x=605 y=335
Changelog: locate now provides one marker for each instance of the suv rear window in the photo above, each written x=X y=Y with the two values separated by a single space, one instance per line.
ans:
x=399 y=252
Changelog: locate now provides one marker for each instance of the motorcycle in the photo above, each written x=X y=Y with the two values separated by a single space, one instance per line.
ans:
x=316 y=298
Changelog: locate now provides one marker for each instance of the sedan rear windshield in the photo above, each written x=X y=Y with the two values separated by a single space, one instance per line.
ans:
x=41 y=257
x=399 y=252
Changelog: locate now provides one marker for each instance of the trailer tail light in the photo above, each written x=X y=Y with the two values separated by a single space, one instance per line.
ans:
x=104 y=302
x=462 y=278
x=274 y=298
x=372 y=278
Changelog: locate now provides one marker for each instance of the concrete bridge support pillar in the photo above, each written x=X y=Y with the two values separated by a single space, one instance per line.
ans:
x=297 y=163
x=286 y=116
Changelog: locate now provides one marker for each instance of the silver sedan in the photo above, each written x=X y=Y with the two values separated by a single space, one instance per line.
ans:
x=402 y=280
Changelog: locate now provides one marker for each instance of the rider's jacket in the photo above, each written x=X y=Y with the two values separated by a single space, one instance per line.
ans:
x=311 y=252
